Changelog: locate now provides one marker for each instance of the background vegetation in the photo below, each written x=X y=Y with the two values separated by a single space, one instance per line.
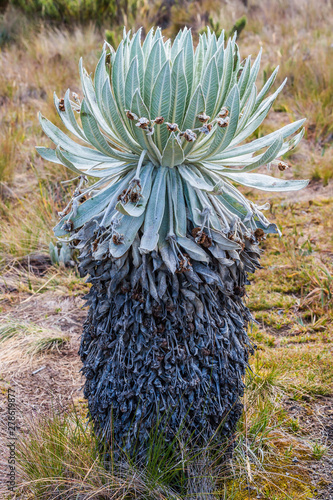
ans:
x=283 y=446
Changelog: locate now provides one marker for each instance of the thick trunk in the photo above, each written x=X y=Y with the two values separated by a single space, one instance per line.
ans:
x=163 y=346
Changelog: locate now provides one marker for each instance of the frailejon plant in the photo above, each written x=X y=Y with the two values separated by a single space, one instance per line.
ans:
x=165 y=237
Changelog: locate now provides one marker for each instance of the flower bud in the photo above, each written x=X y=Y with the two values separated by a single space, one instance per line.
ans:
x=203 y=118
x=61 y=104
x=143 y=123
x=282 y=166
x=172 y=127
x=189 y=135
x=130 y=115
x=223 y=122
x=224 y=112
x=159 y=120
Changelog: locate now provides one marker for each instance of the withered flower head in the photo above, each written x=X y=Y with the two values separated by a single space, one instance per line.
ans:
x=172 y=127
x=201 y=237
x=239 y=291
x=68 y=226
x=259 y=234
x=224 y=112
x=223 y=122
x=203 y=118
x=143 y=123
x=130 y=115
x=282 y=166
x=184 y=264
x=159 y=120
x=62 y=104
x=118 y=239
x=189 y=135
x=123 y=196
x=135 y=196
x=205 y=129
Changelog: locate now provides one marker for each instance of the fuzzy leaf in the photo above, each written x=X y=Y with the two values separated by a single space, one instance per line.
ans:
x=136 y=209
x=172 y=154
x=265 y=182
x=154 y=213
x=160 y=103
x=194 y=251
x=179 y=89
x=128 y=228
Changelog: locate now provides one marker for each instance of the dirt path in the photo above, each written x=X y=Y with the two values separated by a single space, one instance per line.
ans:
x=59 y=382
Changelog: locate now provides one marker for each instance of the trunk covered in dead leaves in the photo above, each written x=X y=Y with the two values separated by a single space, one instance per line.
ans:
x=164 y=347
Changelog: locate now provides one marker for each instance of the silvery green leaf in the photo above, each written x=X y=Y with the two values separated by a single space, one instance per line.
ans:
x=223 y=241
x=292 y=143
x=266 y=88
x=221 y=38
x=128 y=228
x=189 y=175
x=136 y=209
x=265 y=182
x=136 y=51
x=126 y=55
x=258 y=144
x=253 y=76
x=66 y=162
x=153 y=67
x=179 y=207
x=272 y=152
x=118 y=80
x=93 y=134
x=259 y=116
x=244 y=78
x=210 y=85
x=147 y=44
x=176 y=45
x=100 y=78
x=91 y=100
x=193 y=250
x=172 y=153
x=62 y=140
x=247 y=110
x=68 y=118
x=224 y=136
x=220 y=61
x=48 y=154
x=92 y=207
x=193 y=203
x=139 y=107
x=132 y=82
x=160 y=103
x=115 y=120
x=269 y=229
x=87 y=167
x=228 y=63
x=154 y=212
x=179 y=89
x=198 y=61
x=189 y=60
x=196 y=106
x=267 y=103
